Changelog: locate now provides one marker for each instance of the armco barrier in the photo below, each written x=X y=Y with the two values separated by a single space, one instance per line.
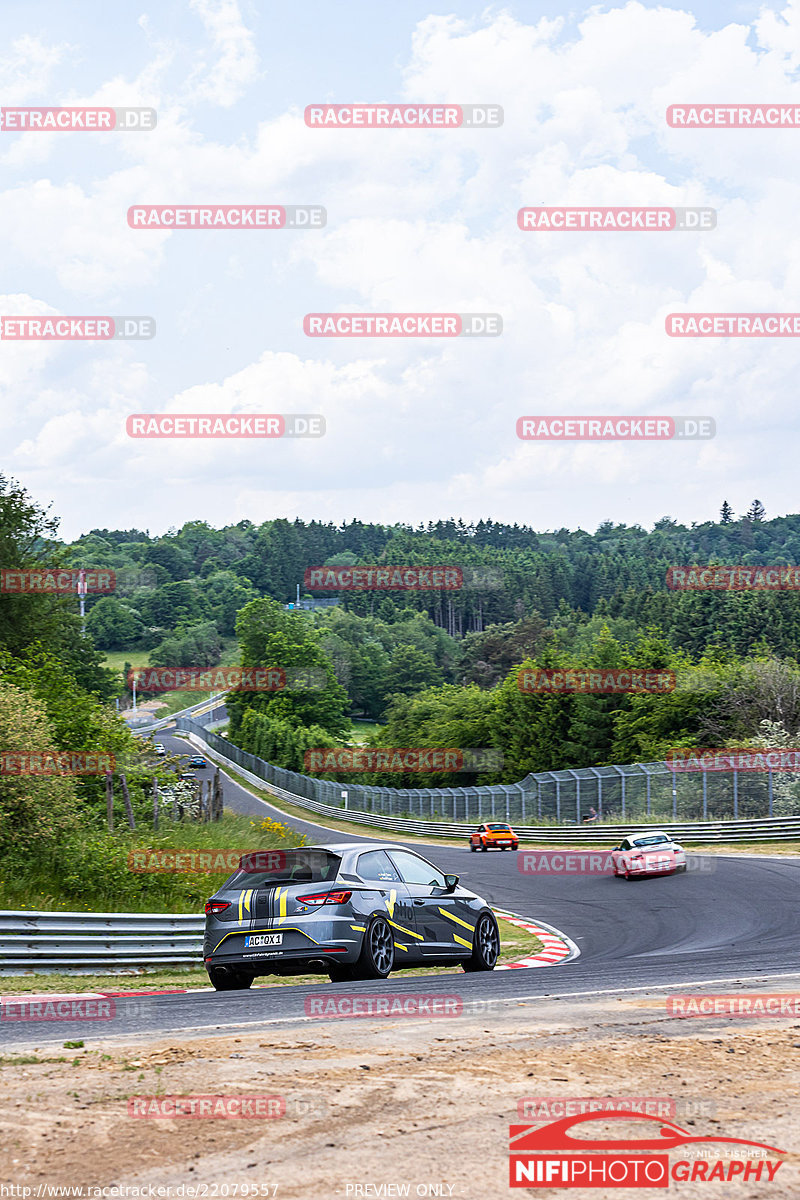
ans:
x=72 y=941
x=697 y=832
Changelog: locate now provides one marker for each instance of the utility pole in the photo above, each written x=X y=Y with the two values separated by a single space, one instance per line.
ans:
x=82 y=596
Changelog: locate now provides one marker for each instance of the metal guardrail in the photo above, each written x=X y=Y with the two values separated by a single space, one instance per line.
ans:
x=76 y=942
x=698 y=832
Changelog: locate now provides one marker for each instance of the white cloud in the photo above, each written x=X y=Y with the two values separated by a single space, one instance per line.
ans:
x=225 y=81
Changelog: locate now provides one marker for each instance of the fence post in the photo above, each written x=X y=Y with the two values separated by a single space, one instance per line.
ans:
x=705 y=795
x=155 y=804
x=110 y=801
x=648 y=794
x=127 y=802
x=735 y=795
x=558 y=799
x=674 y=796
x=770 y=791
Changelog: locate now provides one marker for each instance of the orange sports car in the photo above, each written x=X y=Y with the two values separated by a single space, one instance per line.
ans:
x=493 y=836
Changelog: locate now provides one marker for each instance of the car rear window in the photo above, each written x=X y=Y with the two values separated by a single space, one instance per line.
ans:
x=651 y=841
x=283 y=866
x=501 y=828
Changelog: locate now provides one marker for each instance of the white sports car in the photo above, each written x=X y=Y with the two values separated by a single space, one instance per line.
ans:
x=652 y=853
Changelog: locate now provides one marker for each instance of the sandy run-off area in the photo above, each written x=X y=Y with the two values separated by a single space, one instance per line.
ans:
x=392 y=1106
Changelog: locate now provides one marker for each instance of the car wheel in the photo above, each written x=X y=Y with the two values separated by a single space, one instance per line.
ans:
x=473 y=847
x=484 y=847
x=485 y=945
x=377 y=951
x=680 y=869
x=229 y=980
x=628 y=875
x=515 y=846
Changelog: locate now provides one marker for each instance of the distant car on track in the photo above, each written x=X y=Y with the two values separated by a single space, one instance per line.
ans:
x=160 y=749
x=197 y=760
x=653 y=853
x=353 y=910
x=494 y=835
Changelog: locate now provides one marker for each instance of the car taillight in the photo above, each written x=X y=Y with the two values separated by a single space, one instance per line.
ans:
x=325 y=898
x=216 y=906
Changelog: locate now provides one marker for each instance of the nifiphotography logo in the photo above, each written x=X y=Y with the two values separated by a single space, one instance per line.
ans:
x=553 y=1156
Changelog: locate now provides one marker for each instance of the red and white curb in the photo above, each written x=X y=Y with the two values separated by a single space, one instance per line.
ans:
x=556 y=946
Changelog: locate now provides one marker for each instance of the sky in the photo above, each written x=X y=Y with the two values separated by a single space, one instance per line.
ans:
x=418 y=221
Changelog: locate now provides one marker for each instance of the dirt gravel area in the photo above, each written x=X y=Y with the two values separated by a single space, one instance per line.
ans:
x=377 y=1106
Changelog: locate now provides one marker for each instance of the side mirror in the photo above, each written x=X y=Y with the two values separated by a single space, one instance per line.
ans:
x=451 y=882
x=616 y=848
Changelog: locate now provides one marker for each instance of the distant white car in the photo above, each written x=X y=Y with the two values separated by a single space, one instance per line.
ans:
x=652 y=853
x=160 y=749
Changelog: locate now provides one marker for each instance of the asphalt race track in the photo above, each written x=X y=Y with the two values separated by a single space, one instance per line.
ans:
x=728 y=920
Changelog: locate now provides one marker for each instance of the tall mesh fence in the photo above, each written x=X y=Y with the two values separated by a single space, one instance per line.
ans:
x=646 y=792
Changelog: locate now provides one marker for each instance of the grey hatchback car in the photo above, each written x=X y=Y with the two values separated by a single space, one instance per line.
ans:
x=352 y=910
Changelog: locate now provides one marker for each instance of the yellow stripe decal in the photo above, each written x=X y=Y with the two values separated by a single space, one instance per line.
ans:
x=284 y=895
x=399 y=947
x=407 y=932
x=390 y=903
x=461 y=941
x=458 y=920
x=359 y=928
x=244 y=902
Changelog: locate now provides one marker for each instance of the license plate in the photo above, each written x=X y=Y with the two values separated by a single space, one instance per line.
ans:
x=263 y=939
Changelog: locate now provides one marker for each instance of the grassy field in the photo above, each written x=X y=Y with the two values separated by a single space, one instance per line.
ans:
x=362 y=730
x=514 y=943
x=170 y=702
